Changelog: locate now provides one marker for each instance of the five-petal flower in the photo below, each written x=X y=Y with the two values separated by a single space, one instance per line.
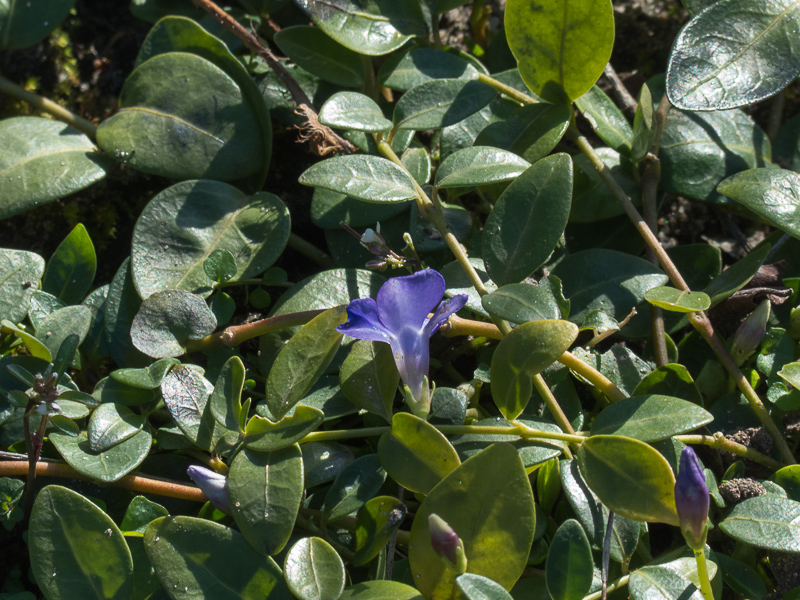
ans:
x=400 y=318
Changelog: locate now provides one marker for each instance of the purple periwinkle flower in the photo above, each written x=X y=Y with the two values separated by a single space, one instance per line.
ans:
x=691 y=500
x=446 y=544
x=214 y=486
x=400 y=318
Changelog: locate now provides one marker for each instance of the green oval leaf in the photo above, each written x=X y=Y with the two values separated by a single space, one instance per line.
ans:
x=314 y=51
x=773 y=194
x=201 y=125
x=108 y=465
x=522 y=302
x=59 y=325
x=353 y=487
x=526 y=351
x=650 y=418
x=569 y=566
x=329 y=288
x=415 y=454
x=765 y=522
x=378 y=520
x=170 y=249
x=528 y=219
x=402 y=72
x=77 y=551
x=630 y=478
x=380 y=590
x=226 y=399
x=265 y=489
x=70 y=271
x=733 y=54
x=369 y=377
x=111 y=424
x=20 y=273
x=302 y=360
x=185 y=392
x=364 y=177
x=661 y=583
x=196 y=558
x=329 y=208
x=313 y=570
x=263 y=435
x=675 y=300
x=440 y=103
x=561 y=46
x=606 y=119
x=44 y=160
x=478 y=587
x=351 y=110
x=479 y=165
x=23 y=24
x=488 y=502
x=169 y=320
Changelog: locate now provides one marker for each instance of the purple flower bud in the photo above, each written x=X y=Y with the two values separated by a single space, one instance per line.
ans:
x=214 y=486
x=446 y=544
x=691 y=499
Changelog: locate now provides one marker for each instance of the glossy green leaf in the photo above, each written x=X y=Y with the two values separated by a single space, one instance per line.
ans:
x=772 y=194
x=528 y=219
x=441 y=103
x=58 y=326
x=561 y=46
x=185 y=392
x=199 y=126
x=415 y=454
x=122 y=304
x=329 y=288
x=147 y=378
x=44 y=160
x=77 y=551
x=532 y=131
x=313 y=570
x=354 y=486
x=765 y=522
x=351 y=110
x=380 y=590
x=737 y=275
x=675 y=300
x=226 y=399
x=489 y=503
x=661 y=583
x=368 y=178
x=479 y=165
x=42 y=306
x=70 y=271
x=95 y=346
x=36 y=348
x=606 y=280
x=374 y=27
x=418 y=162
x=20 y=273
x=644 y=126
x=606 y=119
x=323 y=461
x=302 y=360
x=478 y=587
x=64 y=424
x=111 y=424
x=110 y=390
x=698 y=150
x=593 y=515
x=629 y=477
x=789 y=479
x=23 y=24
x=183 y=225
x=263 y=435
x=592 y=199
x=369 y=377
x=377 y=522
x=314 y=51
x=522 y=302
x=402 y=72
x=670 y=380
x=168 y=320
x=522 y=354
x=106 y=466
x=650 y=418
x=265 y=489
x=569 y=564
x=741 y=577
x=220 y=266
x=139 y=514
x=329 y=208
x=197 y=558
x=734 y=54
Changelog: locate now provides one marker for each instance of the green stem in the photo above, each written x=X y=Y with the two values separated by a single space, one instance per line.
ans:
x=702 y=574
x=48 y=106
x=552 y=404
x=595 y=377
x=698 y=319
x=621 y=582
x=507 y=90
x=720 y=442
x=310 y=251
x=370 y=88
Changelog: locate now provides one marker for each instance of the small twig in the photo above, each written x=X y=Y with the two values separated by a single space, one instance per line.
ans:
x=620 y=91
x=649 y=181
x=323 y=139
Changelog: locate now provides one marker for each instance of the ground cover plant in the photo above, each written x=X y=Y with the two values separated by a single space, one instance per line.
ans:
x=452 y=357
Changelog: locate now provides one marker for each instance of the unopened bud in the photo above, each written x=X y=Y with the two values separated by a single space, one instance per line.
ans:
x=213 y=485
x=691 y=500
x=446 y=544
x=750 y=333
